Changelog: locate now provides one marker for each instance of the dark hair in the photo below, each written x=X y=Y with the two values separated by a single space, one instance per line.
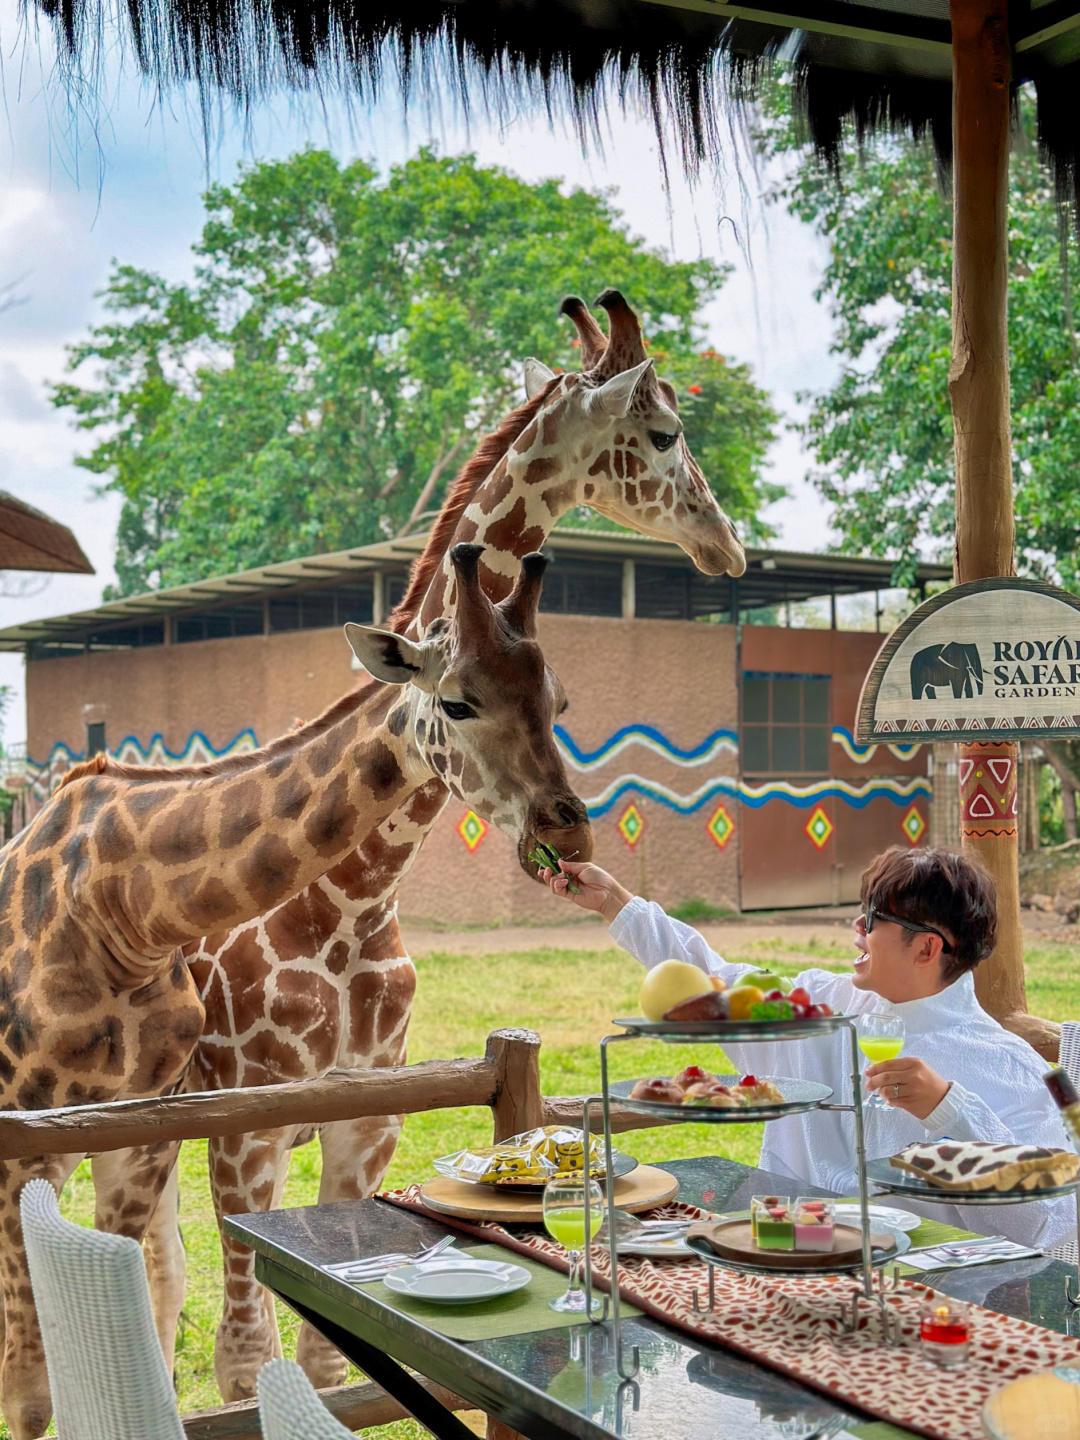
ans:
x=938 y=888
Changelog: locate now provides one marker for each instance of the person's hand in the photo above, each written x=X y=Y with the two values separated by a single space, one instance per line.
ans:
x=908 y=1084
x=597 y=890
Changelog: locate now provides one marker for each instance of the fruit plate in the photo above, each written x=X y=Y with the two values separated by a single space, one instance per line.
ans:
x=725 y=1031
x=899 y=1182
x=526 y=1184
x=799 y=1095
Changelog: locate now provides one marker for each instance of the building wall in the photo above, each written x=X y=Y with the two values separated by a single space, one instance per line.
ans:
x=650 y=741
x=808 y=843
x=668 y=684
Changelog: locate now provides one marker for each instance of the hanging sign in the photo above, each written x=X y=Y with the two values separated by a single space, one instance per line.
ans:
x=990 y=660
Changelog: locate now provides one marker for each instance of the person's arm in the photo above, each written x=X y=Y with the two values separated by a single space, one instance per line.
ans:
x=963 y=1115
x=639 y=926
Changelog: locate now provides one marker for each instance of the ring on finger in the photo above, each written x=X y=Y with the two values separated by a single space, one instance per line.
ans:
x=896 y=1091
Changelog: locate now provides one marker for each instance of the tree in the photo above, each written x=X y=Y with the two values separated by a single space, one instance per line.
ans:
x=344 y=341
x=883 y=434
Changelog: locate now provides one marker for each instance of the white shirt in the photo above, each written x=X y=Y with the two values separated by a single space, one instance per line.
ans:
x=1002 y=1097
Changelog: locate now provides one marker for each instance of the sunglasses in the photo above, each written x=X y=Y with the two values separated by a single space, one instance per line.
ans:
x=871 y=915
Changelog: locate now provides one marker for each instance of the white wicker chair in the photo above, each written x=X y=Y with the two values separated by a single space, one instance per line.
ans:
x=106 y=1370
x=1069 y=1060
x=289 y=1407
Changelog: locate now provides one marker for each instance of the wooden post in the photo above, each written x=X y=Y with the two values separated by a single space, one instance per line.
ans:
x=979 y=390
x=518 y=1104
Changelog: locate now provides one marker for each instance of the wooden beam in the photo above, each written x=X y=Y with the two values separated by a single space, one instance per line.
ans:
x=979 y=390
x=338 y=1095
x=357 y=1407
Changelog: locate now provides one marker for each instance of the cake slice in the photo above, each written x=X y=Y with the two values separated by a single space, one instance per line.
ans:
x=972 y=1165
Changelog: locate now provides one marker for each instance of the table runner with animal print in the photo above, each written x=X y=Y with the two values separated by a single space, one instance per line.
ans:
x=794 y=1326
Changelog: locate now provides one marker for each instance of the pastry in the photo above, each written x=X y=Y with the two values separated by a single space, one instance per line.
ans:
x=972 y=1165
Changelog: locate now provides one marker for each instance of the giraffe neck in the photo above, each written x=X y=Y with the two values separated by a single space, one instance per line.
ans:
x=176 y=860
x=515 y=508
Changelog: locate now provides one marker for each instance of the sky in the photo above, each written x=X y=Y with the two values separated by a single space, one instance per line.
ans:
x=123 y=181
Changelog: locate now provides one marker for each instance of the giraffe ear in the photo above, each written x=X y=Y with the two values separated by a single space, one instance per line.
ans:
x=537 y=375
x=616 y=395
x=392 y=658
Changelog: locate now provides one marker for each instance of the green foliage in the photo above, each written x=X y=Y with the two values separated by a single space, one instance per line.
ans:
x=345 y=340
x=883 y=433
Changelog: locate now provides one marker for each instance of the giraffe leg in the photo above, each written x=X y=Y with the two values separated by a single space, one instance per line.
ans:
x=247 y=1172
x=355 y=1156
x=125 y=1184
x=24 y=1382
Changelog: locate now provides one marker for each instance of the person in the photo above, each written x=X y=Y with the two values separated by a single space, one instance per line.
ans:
x=929 y=918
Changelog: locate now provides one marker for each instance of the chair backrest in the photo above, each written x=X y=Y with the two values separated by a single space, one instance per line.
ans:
x=1069 y=1051
x=289 y=1407
x=107 y=1374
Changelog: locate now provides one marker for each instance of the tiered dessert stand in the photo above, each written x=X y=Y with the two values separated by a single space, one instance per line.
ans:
x=804 y=1096
x=811 y=1097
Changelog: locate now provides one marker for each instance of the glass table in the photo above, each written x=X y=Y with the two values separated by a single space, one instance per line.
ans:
x=554 y=1384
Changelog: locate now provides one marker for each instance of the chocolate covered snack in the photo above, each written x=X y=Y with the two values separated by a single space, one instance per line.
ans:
x=972 y=1165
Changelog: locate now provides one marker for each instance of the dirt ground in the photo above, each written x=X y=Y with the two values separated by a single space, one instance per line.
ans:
x=796 y=927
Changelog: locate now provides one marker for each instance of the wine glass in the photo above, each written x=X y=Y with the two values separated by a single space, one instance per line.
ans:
x=567 y=1205
x=880 y=1037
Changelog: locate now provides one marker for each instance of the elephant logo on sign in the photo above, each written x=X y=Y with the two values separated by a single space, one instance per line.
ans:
x=954 y=664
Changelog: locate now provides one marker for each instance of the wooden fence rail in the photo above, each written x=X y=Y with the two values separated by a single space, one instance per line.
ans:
x=506 y=1079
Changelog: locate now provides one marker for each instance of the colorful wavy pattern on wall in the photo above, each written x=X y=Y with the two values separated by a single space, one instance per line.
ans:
x=198 y=750
x=900 y=791
x=863 y=754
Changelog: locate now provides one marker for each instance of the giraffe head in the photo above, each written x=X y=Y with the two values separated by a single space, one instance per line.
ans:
x=481 y=708
x=625 y=445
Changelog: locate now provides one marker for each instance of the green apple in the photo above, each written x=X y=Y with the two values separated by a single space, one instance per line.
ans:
x=765 y=980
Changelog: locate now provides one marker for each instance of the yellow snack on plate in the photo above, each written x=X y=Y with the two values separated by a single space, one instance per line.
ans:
x=533 y=1156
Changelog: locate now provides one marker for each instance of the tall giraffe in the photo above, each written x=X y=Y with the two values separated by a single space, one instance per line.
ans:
x=126 y=864
x=609 y=438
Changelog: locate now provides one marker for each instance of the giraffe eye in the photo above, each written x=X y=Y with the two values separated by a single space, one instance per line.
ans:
x=457 y=710
x=662 y=440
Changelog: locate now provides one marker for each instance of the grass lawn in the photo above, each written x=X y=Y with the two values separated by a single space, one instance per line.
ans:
x=570 y=998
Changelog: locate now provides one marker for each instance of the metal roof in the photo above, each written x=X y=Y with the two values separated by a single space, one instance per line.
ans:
x=771 y=577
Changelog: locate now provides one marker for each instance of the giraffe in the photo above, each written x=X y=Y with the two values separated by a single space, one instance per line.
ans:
x=126 y=864
x=608 y=438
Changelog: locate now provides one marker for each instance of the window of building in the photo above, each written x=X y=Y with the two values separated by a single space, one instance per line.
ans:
x=95 y=739
x=785 y=724
x=677 y=592
x=128 y=637
x=323 y=609
x=220 y=624
x=583 y=587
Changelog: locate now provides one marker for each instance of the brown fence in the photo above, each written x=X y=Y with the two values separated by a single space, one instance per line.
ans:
x=506 y=1079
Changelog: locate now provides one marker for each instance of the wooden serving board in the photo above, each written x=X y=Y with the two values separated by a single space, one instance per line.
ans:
x=1033 y=1408
x=643 y=1189
x=734 y=1240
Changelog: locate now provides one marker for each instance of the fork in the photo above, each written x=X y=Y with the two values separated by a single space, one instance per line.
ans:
x=380 y=1264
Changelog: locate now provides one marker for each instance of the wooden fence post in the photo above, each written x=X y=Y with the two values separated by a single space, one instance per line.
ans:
x=518 y=1104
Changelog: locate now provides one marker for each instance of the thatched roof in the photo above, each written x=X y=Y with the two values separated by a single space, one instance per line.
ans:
x=883 y=63
x=30 y=540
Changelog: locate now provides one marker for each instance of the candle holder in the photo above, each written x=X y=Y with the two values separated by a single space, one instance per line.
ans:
x=944 y=1331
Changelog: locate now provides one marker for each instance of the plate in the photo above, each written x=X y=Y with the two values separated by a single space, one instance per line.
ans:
x=786 y=1262
x=899 y=1182
x=461 y=1281
x=655 y=1249
x=799 y=1095
x=621 y=1164
x=886 y=1215
x=724 y=1030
